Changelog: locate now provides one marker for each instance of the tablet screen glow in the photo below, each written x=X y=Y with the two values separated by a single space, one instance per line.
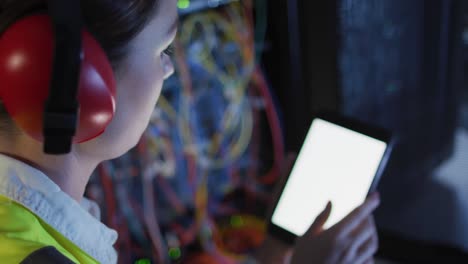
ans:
x=335 y=164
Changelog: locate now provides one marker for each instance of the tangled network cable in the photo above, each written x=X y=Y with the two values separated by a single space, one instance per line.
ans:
x=202 y=143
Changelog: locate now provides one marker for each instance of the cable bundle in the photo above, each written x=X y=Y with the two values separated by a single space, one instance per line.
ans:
x=201 y=159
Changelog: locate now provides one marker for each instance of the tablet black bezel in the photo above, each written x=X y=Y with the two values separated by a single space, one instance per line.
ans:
x=352 y=124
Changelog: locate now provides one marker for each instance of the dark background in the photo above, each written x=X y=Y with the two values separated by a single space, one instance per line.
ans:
x=397 y=64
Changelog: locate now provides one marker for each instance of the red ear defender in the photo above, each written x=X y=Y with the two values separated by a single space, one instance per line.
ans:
x=26 y=56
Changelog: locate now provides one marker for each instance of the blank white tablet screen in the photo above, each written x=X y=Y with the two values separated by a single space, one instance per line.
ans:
x=335 y=164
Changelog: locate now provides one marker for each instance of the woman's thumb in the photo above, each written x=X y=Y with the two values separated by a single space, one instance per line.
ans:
x=321 y=219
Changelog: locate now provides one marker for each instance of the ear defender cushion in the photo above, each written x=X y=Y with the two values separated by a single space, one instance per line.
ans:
x=26 y=56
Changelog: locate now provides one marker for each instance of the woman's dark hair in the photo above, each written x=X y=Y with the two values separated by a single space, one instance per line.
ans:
x=113 y=23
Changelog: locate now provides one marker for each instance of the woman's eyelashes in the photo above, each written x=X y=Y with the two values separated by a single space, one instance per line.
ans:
x=169 y=51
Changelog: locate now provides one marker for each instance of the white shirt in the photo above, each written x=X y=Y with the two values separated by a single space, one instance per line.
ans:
x=35 y=191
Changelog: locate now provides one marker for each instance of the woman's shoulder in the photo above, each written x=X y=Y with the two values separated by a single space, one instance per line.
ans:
x=23 y=236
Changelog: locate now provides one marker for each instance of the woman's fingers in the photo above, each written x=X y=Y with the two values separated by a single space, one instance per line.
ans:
x=369 y=261
x=368 y=249
x=356 y=217
x=321 y=219
x=351 y=240
x=357 y=239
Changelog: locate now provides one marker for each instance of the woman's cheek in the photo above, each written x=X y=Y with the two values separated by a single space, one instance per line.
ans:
x=147 y=82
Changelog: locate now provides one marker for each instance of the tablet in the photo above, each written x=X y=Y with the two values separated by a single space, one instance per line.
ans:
x=340 y=161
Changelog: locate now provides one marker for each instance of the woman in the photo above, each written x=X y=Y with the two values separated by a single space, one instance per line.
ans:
x=43 y=214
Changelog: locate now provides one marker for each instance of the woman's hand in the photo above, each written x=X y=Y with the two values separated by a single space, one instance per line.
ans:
x=353 y=240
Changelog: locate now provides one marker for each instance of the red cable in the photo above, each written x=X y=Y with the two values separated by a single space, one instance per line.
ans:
x=271 y=112
x=150 y=217
x=108 y=195
x=111 y=212
x=275 y=128
x=175 y=202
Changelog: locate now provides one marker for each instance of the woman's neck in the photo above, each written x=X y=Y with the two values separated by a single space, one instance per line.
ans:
x=70 y=172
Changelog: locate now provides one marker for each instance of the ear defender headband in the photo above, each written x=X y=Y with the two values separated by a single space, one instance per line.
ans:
x=55 y=80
